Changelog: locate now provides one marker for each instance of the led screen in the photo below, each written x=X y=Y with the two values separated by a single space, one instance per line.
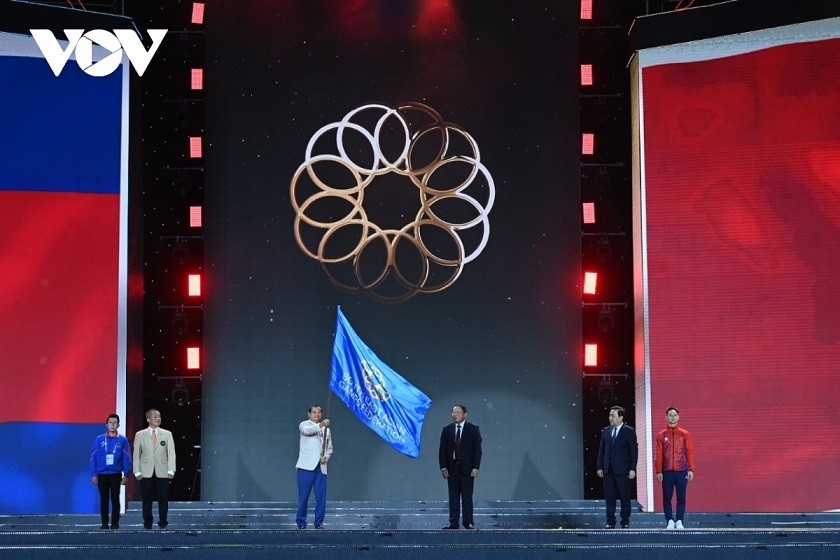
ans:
x=501 y=337
x=738 y=210
x=61 y=216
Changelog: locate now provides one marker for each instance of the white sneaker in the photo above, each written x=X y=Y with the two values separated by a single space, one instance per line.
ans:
x=670 y=524
x=679 y=525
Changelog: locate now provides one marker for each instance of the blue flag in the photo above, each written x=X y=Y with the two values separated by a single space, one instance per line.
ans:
x=378 y=396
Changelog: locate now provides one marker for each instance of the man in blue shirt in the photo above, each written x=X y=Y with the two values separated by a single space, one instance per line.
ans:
x=110 y=463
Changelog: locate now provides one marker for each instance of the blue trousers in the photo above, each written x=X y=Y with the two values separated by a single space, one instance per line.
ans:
x=671 y=480
x=307 y=480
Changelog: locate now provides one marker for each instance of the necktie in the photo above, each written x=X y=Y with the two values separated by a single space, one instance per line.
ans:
x=458 y=443
x=154 y=437
x=615 y=433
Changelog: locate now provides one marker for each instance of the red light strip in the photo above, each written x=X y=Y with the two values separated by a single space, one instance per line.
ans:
x=194 y=285
x=195 y=147
x=588 y=144
x=590 y=280
x=197 y=79
x=590 y=355
x=195 y=216
x=586 y=9
x=588 y=212
x=193 y=358
x=197 y=13
x=586 y=78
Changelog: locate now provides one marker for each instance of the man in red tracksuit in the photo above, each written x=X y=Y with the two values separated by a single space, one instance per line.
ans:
x=674 y=462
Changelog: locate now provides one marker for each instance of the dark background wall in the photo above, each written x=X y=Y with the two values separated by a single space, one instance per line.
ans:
x=504 y=340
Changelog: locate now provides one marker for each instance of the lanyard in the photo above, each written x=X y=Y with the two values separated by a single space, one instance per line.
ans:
x=116 y=444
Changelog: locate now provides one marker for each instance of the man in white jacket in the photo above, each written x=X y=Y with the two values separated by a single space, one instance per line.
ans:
x=315 y=451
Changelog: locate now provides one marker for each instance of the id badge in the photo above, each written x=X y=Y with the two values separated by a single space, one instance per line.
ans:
x=109 y=459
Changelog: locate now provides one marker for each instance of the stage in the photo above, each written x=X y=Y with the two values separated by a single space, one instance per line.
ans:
x=506 y=529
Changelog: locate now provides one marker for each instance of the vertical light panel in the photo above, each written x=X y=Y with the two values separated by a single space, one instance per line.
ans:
x=587 y=144
x=193 y=357
x=197 y=17
x=590 y=280
x=586 y=9
x=590 y=355
x=195 y=147
x=197 y=79
x=586 y=78
x=588 y=212
x=195 y=216
x=194 y=285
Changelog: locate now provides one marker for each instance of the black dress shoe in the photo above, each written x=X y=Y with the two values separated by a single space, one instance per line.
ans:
x=147 y=527
x=449 y=527
x=115 y=526
x=625 y=524
x=104 y=527
x=609 y=526
x=469 y=526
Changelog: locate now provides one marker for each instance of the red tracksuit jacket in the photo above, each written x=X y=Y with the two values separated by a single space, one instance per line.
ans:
x=674 y=450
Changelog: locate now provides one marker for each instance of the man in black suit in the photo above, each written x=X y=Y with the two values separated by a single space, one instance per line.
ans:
x=617 y=457
x=460 y=459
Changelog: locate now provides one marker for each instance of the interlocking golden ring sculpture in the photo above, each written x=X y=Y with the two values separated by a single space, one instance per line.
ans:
x=364 y=174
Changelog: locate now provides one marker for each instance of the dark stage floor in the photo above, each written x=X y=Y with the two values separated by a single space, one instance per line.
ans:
x=536 y=529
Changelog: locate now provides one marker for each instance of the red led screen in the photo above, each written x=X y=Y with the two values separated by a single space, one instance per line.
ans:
x=742 y=210
x=59 y=305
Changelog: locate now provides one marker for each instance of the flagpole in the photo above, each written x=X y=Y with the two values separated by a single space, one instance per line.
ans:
x=329 y=398
x=329 y=392
x=326 y=429
x=324 y=443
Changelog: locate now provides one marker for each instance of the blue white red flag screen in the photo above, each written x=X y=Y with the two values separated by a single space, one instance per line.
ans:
x=61 y=193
